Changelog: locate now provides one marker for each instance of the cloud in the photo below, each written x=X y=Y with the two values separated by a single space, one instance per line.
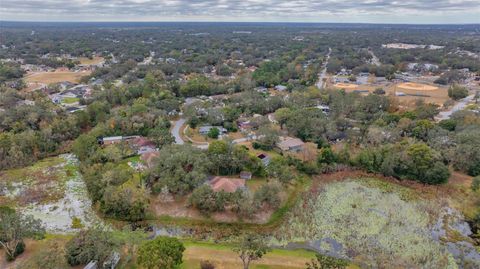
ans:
x=243 y=10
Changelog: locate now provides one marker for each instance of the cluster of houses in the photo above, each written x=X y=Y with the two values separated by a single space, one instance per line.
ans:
x=70 y=94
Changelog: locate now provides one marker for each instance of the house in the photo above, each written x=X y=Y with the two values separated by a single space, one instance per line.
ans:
x=245 y=175
x=281 y=88
x=324 y=109
x=110 y=140
x=264 y=158
x=291 y=144
x=246 y=125
x=227 y=184
x=149 y=157
x=205 y=129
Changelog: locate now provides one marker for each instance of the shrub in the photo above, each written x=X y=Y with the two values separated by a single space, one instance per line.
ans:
x=89 y=245
x=267 y=194
x=207 y=265
x=162 y=253
x=77 y=223
x=449 y=124
x=476 y=183
x=457 y=92
x=327 y=156
x=213 y=133
x=206 y=200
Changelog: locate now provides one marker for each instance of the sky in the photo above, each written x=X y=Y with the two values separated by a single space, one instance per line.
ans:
x=337 y=11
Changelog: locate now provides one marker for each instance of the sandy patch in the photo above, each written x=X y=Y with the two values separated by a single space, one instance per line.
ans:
x=345 y=86
x=55 y=77
x=416 y=86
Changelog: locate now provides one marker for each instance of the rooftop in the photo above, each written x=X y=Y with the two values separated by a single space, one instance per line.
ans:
x=226 y=184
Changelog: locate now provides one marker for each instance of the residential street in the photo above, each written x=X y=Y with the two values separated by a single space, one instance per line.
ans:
x=176 y=131
x=323 y=73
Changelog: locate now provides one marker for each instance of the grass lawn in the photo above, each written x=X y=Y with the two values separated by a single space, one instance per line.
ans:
x=88 y=61
x=224 y=258
x=70 y=100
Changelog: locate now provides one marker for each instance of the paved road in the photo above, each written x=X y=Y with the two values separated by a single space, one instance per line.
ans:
x=375 y=59
x=462 y=103
x=176 y=131
x=323 y=73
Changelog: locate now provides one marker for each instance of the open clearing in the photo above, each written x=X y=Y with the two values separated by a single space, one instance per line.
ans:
x=88 y=61
x=416 y=86
x=406 y=93
x=345 y=86
x=224 y=258
x=55 y=77
x=51 y=190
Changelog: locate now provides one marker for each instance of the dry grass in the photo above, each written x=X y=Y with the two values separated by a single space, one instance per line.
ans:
x=413 y=91
x=88 y=61
x=345 y=86
x=55 y=77
x=416 y=86
x=224 y=258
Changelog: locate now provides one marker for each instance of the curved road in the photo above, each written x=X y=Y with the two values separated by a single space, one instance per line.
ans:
x=462 y=103
x=176 y=131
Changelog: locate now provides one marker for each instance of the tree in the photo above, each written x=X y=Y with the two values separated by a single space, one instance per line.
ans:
x=89 y=245
x=125 y=202
x=213 y=133
x=327 y=156
x=250 y=248
x=206 y=200
x=457 y=92
x=85 y=146
x=161 y=253
x=161 y=136
x=326 y=262
x=281 y=115
x=268 y=194
x=181 y=168
x=476 y=183
x=14 y=227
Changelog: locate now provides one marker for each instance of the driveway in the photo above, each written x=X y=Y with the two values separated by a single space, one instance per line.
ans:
x=176 y=131
x=462 y=103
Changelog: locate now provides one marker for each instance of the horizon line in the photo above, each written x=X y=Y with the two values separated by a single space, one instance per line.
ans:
x=219 y=22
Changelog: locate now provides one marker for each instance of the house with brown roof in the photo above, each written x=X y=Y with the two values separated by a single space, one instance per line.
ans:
x=291 y=144
x=227 y=184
